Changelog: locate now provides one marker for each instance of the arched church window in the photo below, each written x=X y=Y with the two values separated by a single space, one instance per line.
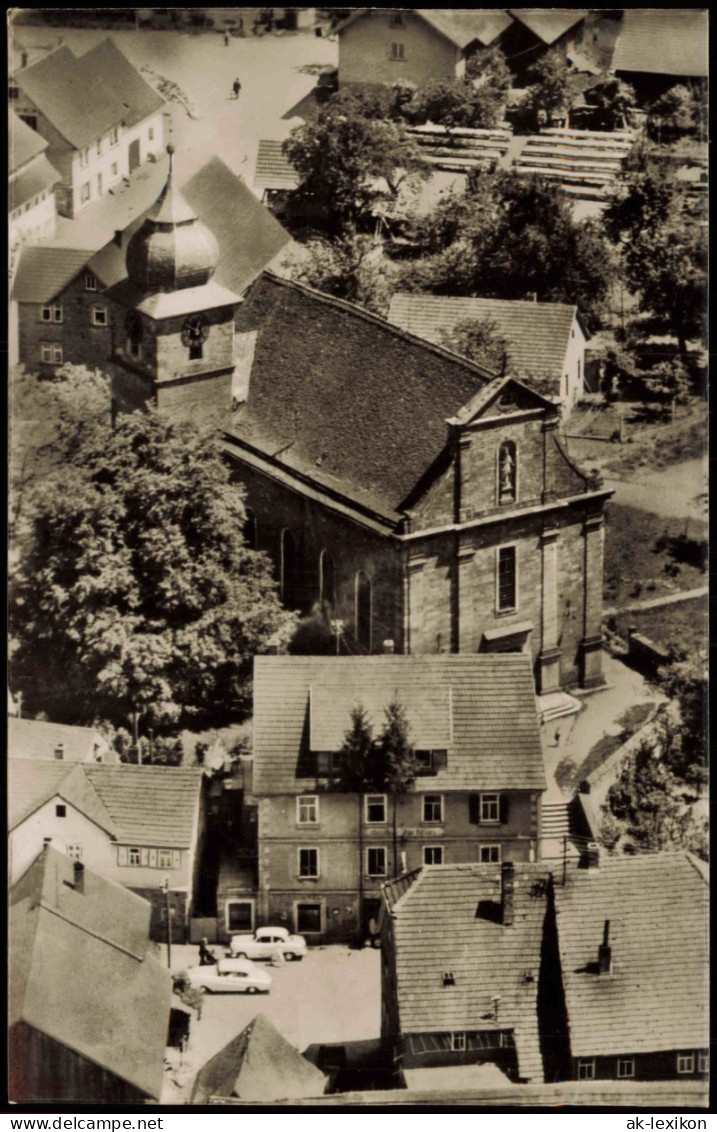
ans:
x=507 y=472
x=363 y=611
x=290 y=575
x=249 y=528
x=327 y=589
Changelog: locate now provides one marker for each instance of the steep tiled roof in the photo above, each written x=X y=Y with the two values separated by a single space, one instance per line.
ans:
x=537 y=334
x=259 y=1064
x=663 y=41
x=37 y=739
x=439 y=927
x=81 y=971
x=44 y=271
x=495 y=740
x=36 y=178
x=429 y=708
x=656 y=996
x=461 y=26
x=273 y=168
x=25 y=143
x=340 y=392
x=151 y=805
x=549 y=23
x=79 y=105
x=106 y=64
x=33 y=782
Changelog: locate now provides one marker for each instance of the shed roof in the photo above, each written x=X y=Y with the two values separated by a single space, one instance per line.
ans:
x=537 y=334
x=548 y=24
x=81 y=971
x=258 y=1064
x=273 y=169
x=495 y=742
x=663 y=41
x=657 y=994
x=38 y=739
x=439 y=927
x=321 y=402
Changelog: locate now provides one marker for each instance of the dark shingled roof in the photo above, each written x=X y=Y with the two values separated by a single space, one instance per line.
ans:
x=25 y=143
x=494 y=741
x=657 y=995
x=341 y=393
x=461 y=26
x=663 y=41
x=82 y=973
x=437 y=928
x=548 y=24
x=537 y=334
x=258 y=1064
x=44 y=271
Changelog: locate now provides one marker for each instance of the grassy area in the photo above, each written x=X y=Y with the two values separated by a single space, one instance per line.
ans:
x=681 y=627
x=652 y=441
x=647 y=556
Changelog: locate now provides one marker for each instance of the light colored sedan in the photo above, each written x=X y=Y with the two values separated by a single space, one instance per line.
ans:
x=231 y=976
x=268 y=942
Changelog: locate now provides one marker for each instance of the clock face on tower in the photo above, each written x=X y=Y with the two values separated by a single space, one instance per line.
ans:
x=195 y=330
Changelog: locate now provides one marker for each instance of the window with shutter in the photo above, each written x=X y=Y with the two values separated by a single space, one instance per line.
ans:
x=474 y=808
x=176 y=859
x=122 y=855
x=144 y=856
x=504 y=808
x=153 y=858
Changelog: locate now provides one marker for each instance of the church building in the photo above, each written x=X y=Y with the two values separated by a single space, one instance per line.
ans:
x=411 y=501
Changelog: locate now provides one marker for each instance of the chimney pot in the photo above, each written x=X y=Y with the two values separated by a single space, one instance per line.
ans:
x=46 y=842
x=78 y=870
x=592 y=855
x=507 y=881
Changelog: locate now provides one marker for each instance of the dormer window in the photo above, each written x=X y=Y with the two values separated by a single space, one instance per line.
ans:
x=396 y=20
x=59 y=751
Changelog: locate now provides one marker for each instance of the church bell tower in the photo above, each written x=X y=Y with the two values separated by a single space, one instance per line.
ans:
x=172 y=325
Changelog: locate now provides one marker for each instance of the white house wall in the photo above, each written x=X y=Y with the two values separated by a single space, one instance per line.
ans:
x=574 y=369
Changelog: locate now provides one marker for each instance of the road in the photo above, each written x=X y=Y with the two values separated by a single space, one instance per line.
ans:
x=678 y=491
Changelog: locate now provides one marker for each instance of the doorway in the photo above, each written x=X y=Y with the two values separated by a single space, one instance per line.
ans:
x=134 y=155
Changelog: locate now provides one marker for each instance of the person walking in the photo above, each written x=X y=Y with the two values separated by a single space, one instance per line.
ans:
x=236 y=88
x=226 y=38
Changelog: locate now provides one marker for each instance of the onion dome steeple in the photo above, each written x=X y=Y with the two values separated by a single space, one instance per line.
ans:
x=172 y=250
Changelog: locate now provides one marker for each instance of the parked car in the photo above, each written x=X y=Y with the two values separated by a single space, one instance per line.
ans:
x=231 y=976
x=266 y=943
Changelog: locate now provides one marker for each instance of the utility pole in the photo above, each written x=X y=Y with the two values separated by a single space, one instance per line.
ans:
x=164 y=887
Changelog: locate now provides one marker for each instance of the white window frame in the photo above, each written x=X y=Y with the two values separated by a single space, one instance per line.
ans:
x=90 y=283
x=586 y=1069
x=86 y=192
x=373 y=798
x=74 y=850
x=150 y=133
x=432 y=849
x=96 y=309
x=307 y=799
x=459 y=1043
x=376 y=849
x=239 y=900
x=51 y=312
x=84 y=157
x=625 y=1067
x=685 y=1063
x=133 y=850
x=431 y=821
x=308 y=849
x=114 y=169
x=99 y=147
x=488 y=849
x=513 y=608
x=165 y=864
x=51 y=353
x=489 y=799
x=114 y=136
x=703 y=1061
x=398 y=54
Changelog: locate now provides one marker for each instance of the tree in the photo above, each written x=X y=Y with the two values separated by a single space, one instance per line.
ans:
x=672 y=114
x=549 y=81
x=490 y=68
x=611 y=101
x=136 y=591
x=669 y=268
x=646 y=199
x=669 y=381
x=360 y=771
x=351 y=267
x=457 y=103
x=685 y=682
x=479 y=341
x=347 y=164
x=398 y=762
x=645 y=801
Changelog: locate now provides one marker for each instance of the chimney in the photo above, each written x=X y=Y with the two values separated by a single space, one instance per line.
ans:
x=118 y=237
x=605 y=952
x=388 y=647
x=592 y=855
x=46 y=842
x=507 y=871
x=79 y=876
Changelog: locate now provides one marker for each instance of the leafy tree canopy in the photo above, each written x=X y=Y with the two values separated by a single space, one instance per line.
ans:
x=350 y=267
x=611 y=101
x=135 y=589
x=549 y=81
x=480 y=341
x=386 y=762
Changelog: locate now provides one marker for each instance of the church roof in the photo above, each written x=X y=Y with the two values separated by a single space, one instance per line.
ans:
x=339 y=395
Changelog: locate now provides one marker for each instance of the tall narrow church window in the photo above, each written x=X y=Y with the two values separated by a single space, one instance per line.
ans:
x=289 y=571
x=507 y=472
x=249 y=528
x=327 y=591
x=507 y=579
x=363 y=611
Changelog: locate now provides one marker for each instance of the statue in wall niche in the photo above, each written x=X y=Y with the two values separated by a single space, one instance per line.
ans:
x=506 y=481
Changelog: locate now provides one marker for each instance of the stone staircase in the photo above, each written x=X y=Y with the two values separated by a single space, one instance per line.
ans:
x=585 y=163
x=460 y=149
x=561 y=835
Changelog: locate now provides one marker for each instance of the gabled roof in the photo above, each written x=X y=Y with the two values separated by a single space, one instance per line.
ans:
x=462 y=26
x=344 y=397
x=537 y=334
x=663 y=41
x=429 y=709
x=81 y=971
x=439 y=927
x=273 y=169
x=258 y=1064
x=35 y=178
x=657 y=994
x=37 y=739
x=108 y=65
x=494 y=742
x=33 y=782
x=44 y=271
x=548 y=24
x=25 y=143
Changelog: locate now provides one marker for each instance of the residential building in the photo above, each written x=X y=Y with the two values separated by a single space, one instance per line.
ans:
x=323 y=854
x=136 y=825
x=63 y=315
x=100 y=118
x=632 y=943
x=88 y=1002
x=31 y=200
x=460 y=967
x=385 y=45
x=545 y=342
x=660 y=47
x=533 y=32
x=39 y=739
x=259 y=1064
